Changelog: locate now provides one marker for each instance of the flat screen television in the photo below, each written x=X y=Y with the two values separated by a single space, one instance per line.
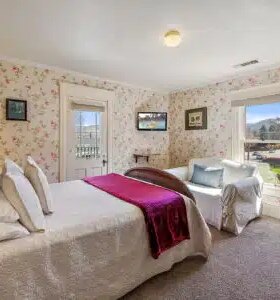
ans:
x=152 y=121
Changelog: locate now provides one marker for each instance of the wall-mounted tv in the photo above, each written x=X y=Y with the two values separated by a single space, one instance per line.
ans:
x=152 y=121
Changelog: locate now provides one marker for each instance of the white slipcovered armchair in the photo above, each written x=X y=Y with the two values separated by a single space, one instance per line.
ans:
x=235 y=203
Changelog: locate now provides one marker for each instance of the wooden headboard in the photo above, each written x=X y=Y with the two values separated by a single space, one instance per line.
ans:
x=161 y=178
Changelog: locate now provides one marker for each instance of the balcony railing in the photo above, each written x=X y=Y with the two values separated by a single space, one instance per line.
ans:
x=87 y=151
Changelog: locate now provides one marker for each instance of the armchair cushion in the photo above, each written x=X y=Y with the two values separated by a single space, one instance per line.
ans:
x=234 y=171
x=207 y=176
x=213 y=162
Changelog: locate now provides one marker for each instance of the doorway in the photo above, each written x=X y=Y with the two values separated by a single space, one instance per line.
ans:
x=86 y=132
x=87 y=142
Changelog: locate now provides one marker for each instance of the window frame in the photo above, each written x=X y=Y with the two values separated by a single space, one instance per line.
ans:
x=239 y=99
x=239 y=140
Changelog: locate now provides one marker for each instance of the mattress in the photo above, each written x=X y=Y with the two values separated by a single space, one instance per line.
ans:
x=95 y=247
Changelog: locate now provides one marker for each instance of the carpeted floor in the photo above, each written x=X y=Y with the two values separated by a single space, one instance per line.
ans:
x=243 y=267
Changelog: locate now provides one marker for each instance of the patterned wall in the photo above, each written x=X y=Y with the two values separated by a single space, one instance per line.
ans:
x=40 y=136
x=216 y=140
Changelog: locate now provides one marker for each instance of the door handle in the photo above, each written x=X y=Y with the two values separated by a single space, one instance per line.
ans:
x=104 y=162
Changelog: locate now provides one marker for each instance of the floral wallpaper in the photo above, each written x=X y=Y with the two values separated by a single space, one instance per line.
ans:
x=217 y=139
x=39 y=136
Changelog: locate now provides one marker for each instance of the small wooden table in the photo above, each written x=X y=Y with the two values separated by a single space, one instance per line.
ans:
x=144 y=155
x=136 y=156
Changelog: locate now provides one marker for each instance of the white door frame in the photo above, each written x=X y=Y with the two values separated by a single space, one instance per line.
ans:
x=68 y=91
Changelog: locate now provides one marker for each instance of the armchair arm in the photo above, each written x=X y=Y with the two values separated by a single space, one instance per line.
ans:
x=180 y=172
x=248 y=189
x=260 y=180
x=241 y=202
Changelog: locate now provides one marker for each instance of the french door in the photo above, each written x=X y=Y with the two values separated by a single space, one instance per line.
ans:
x=87 y=143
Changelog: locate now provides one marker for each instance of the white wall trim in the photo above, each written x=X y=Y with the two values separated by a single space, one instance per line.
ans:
x=255 y=92
x=68 y=91
x=238 y=133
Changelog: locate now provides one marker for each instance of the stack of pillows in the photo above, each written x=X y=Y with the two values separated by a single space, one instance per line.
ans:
x=24 y=199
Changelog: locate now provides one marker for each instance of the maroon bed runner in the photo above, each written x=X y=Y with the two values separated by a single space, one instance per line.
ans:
x=164 y=210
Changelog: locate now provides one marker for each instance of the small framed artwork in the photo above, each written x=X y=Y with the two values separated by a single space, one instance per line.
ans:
x=196 y=119
x=16 y=110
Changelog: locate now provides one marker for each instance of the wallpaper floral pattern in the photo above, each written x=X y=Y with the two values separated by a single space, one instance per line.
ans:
x=40 y=136
x=217 y=139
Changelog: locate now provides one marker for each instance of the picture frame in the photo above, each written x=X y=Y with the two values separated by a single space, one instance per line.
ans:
x=16 y=110
x=152 y=121
x=196 y=119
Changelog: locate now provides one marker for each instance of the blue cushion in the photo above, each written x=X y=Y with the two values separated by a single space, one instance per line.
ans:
x=207 y=176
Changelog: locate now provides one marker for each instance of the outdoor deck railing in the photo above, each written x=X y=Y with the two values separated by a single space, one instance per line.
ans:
x=87 y=151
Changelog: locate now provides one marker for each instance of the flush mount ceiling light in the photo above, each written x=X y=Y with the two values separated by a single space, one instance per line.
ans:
x=172 y=38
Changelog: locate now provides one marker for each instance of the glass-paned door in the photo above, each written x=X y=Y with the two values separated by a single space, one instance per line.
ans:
x=87 y=144
x=87 y=133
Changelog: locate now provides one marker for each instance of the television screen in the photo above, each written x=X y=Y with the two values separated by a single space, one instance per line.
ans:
x=152 y=121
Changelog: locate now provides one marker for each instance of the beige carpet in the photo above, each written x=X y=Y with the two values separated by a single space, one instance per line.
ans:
x=243 y=267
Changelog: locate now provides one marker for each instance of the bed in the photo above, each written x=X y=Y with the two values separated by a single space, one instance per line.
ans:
x=91 y=249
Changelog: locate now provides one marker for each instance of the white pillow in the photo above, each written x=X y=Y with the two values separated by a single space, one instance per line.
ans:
x=19 y=191
x=11 y=167
x=9 y=231
x=7 y=212
x=40 y=184
x=234 y=171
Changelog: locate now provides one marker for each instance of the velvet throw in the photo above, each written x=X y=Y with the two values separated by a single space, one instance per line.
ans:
x=164 y=210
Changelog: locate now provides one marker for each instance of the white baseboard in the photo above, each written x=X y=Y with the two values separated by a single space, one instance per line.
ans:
x=271 y=210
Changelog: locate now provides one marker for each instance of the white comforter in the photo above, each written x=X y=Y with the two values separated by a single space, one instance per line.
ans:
x=95 y=247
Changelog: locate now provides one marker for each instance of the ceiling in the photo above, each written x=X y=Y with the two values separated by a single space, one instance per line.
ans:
x=122 y=40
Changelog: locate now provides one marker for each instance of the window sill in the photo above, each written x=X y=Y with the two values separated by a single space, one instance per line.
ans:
x=271 y=195
x=272 y=200
x=271 y=190
x=271 y=210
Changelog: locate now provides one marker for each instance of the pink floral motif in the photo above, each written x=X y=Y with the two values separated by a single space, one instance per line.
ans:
x=16 y=69
x=216 y=140
x=40 y=137
x=54 y=156
x=53 y=125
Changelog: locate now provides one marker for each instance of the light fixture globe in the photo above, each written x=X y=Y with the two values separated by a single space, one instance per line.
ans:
x=172 y=38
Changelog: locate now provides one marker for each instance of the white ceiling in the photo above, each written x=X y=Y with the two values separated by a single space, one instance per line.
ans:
x=122 y=39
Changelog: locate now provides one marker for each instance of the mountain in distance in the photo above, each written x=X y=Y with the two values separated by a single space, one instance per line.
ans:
x=267 y=123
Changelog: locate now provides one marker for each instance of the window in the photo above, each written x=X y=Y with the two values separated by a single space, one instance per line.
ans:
x=262 y=140
x=87 y=131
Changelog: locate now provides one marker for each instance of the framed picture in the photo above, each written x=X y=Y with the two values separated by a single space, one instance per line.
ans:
x=196 y=119
x=16 y=110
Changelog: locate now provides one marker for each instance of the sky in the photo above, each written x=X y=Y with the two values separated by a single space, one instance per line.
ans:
x=88 y=118
x=256 y=113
